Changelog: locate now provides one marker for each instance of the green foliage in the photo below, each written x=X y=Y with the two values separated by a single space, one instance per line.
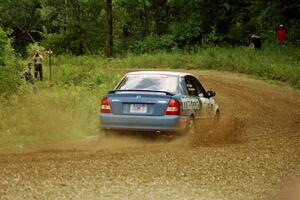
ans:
x=78 y=27
x=153 y=43
x=9 y=79
x=60 y=42
x=6 y=52
x=22 y=17
x=88 y=72
x=34 y=47
x=73 y=26
x=211 y=39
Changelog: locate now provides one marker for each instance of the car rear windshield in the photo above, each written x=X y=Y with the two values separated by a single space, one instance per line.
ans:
x=157 y=82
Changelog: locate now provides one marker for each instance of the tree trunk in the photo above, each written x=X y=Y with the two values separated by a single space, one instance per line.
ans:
x=79 y=29
x=109 y=29
x=146 y=20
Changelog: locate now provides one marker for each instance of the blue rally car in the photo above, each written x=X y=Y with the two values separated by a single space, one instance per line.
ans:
x=157 y=101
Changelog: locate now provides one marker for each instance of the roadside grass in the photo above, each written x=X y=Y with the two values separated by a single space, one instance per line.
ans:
x=276 y=63
x=67 y=107
x=58 y=112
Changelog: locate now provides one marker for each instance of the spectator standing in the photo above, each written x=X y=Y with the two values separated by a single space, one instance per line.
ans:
x=256 y=41
x=38 y=68
x=281 y=35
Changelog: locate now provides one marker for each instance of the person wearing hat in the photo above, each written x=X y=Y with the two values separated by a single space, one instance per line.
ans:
x=256 y=41
x=281 y=35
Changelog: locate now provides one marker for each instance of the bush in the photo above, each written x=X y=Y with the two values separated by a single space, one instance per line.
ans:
x=32 y=48
x=6 y=52
x=9 y=78
x=57 y=41
x=153 y=43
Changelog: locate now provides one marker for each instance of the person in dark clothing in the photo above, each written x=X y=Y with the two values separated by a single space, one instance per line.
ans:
x=27 y=75
x=256 y=41
x=38 y=68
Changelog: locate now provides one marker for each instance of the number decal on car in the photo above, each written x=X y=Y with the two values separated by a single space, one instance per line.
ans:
x=188 y=104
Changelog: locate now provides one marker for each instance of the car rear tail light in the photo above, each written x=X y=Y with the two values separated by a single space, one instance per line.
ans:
x=105 y=105
x=173 y=107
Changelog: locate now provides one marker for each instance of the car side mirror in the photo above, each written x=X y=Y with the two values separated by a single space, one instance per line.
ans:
x=211 y=94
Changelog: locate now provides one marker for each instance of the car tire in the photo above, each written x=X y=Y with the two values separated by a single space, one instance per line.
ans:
x=217 y=116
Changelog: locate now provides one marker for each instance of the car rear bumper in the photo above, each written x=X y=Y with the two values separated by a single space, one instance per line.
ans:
x=142 y=123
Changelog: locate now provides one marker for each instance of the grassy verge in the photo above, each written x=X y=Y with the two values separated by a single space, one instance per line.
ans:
x=67 y=107
x=59 y=111
x=277 y=63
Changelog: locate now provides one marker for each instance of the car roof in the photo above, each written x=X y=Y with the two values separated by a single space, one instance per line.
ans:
x=170 y=73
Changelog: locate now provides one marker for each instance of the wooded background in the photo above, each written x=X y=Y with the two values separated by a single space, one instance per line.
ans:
x=79 y=26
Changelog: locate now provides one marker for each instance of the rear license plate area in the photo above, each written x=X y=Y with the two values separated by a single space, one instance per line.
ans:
x=138 y=108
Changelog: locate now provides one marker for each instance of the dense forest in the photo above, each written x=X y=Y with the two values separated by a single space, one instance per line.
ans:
x=78 y=27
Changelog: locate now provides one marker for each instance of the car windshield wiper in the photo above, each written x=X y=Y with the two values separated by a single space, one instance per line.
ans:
x=156 y=91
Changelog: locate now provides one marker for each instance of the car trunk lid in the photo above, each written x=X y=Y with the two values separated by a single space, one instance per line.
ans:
x=153 y=103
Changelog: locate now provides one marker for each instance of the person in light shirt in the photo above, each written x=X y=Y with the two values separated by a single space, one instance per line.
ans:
x=38 y=68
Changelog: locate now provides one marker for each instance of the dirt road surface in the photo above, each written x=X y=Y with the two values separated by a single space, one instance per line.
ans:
x=252 y=154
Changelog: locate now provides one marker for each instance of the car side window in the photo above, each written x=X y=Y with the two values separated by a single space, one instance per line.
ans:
x=201 y=89
x=191 y=86
x=194 y=87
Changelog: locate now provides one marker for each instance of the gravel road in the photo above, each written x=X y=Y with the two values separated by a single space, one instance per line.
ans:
x=253 y=153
